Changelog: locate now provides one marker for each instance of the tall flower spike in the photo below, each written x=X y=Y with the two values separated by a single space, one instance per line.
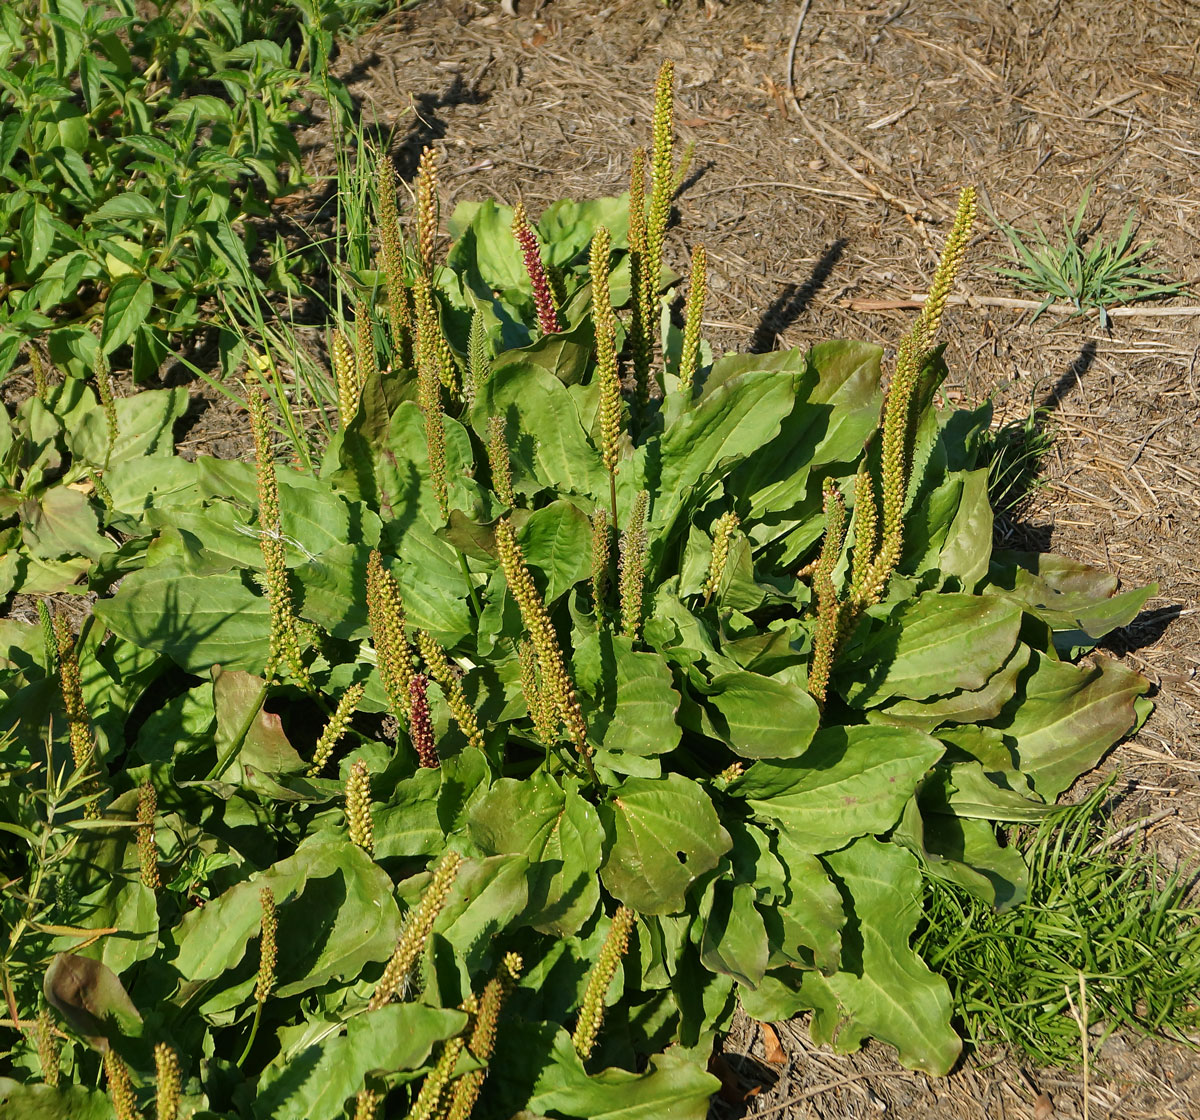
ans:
x=479 y=357
x=104 y=386
x=911 y=356
x=429 y=390
x=347 y=705
x=640 y=325
x=83 y=747
x=385 y=616
x=427 y=211
x=607 y=374
x=689 y=359
x=49 y=639
x=268 y=947
x=662 y=189
x=47 y=1048
x=531 y=253
x=541 y=711
x=722 y=532
x=450 y=682
x=500 y=460
x=866 y=536
x=483 y=1037
x=591 y=1011
x=391 y=246
x=358 y=807
x=829 y=609
x=147 y=845
x=345 y=376
x=79 y=730
x=602 y=532
x=365 y=365
x=168 y=1085
x=120 y=1087
x=284 y=640
x=38 y=367
x=420 y=724
x=555 y=680
x=429 y=1100
x=416 y=930
x=633 y=567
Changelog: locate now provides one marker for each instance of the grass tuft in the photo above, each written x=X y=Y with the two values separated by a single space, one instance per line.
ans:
x=1097 y=276
x=1119 y=926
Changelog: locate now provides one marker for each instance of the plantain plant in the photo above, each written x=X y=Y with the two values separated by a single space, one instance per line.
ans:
x=589 y=685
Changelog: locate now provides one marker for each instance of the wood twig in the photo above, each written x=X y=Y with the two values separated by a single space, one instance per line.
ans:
x=916 y=300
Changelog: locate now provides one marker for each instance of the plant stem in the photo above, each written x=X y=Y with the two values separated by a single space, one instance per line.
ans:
x=462 y=563
x=253 y=1031
x=239 y=738
x=612 y=496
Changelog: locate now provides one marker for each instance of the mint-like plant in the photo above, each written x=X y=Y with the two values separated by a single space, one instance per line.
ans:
x=676 y=690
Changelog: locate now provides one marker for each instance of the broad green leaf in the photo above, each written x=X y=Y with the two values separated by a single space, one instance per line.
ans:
x=1065 y=717
x=129 y=302
x=265 y=747
x=930 y=646
x=197 y=620
x=544 y=428
x=664 y=834
x=136 y=484
x=965 y=852
x=103 y=872
x=721 y=430
x=760 y=717
x=960 y=707
x=485 y=249
x=673 y=1088
x=968 y=542
x=123 y=206
x=145 y=422
x=1077 y=601
x=633 y=701
x=89 y=995
x=566 y=227
x=317 y=1083
x=558 y=832
x=336 y=914
x=488 y=897
x=735 y=939
x=811 y=919
x=837 y=405
x=969 y=790
x=884 y=989
x=557 y=541
x=41 y=1102
x=407 y=824
x=62 y=524
x=852 y=781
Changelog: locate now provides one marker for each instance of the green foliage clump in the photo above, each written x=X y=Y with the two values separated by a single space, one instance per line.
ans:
x=591 y=794
x=134 y=139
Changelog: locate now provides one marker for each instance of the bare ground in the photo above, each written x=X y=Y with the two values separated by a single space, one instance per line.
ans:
x=821 y=194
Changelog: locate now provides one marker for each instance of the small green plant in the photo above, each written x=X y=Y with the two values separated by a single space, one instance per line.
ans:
x=1014 y=452
x=1098 y=923
x=1109 y=271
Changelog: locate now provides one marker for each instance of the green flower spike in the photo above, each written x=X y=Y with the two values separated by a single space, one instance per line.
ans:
x=591 y=1011
x=417 y=928
x=358 y=807
x=633 y=567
